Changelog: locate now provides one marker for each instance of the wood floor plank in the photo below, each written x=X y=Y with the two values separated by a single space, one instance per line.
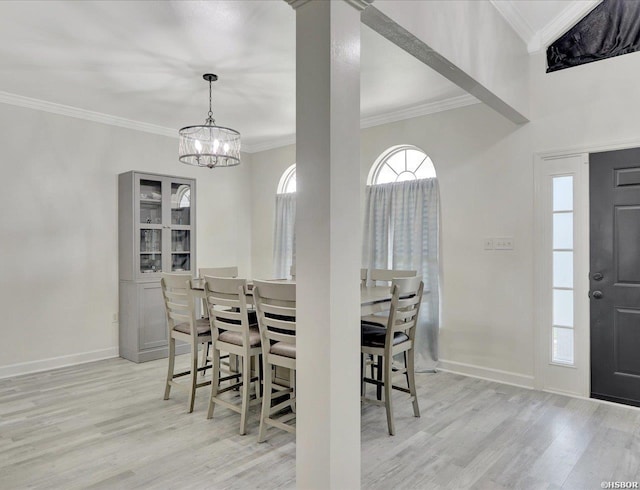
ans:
x=104 y=425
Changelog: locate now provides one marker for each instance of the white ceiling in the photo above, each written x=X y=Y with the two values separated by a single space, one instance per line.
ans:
x=143 y=60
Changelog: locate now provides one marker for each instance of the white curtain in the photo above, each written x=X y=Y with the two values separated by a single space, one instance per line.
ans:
x=284 y=240
x=401 y=232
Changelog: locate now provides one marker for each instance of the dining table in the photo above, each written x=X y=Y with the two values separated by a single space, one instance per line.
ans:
x=373 y=299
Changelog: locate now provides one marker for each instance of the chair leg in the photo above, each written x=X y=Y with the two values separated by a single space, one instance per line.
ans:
x=246 y=384
x=215 y=376
x=266 y=401
x=194 y=375
x=172 y=360
x=411 y=376
x=406 y=367
x=205 y=354
x=292 y=396
x=379 y=376
x=257 y=363
x=388 y=360
x=362 y=366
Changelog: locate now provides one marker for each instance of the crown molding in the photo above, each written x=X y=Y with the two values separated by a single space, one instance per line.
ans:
x=538 y=40
x=515 y=19
x=270 y=144
x=357 y=4
x=66 y=110
x=366 y=122
x=377 y=120
x=419 y=110
x=565 y=20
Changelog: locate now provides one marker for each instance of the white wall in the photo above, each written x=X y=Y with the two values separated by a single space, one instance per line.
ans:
x=266 y=169
x=484 y=167
x=58 y=246
x=591 y=105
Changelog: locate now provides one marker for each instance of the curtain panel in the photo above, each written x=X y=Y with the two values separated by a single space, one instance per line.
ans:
x=401 y=232
x=284 y=239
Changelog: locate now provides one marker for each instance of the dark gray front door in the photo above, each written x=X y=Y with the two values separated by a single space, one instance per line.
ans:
x=614 y=187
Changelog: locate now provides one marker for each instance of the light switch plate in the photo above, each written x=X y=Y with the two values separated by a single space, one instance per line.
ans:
x=503 y=243
x=488 y=243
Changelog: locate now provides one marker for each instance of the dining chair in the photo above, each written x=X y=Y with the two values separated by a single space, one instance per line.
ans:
x=276 y=308
x=386 y=276
x=183 y=325
x=363 y=278
x=232 y=333
x=398 y=337
x=380 y=318
x=218 y=271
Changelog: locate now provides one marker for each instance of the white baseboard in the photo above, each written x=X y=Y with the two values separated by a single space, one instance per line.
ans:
x=56 y=362
x=488 y=374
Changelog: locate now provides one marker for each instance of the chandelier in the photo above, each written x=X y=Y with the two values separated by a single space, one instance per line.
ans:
x=209 y=145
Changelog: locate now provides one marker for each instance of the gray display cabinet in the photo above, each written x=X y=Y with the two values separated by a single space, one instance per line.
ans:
x=156 y=215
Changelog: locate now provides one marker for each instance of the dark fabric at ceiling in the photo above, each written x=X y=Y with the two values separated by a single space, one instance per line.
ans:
x=611 y=29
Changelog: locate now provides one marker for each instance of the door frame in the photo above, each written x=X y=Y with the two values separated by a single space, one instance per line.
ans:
x=549 y=376
x=541 y=260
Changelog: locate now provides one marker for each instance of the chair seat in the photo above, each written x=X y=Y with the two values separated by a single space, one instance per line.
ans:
x=374 y=336
x=235 y=338
x=377 y=319
x=202 y=327
x=283 y=349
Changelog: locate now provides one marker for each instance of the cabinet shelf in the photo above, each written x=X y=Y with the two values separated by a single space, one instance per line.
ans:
x=151 y=201
x=158 y=252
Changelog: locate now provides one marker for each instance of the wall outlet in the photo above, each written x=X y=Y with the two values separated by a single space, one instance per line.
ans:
x=488 y=243
x=114 y=317
x=504 y=243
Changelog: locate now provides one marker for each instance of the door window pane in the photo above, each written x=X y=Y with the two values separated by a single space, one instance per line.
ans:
x=563 y=193
x=563 y=230
x=562 y=269
x=563 y=345
x=563 y=307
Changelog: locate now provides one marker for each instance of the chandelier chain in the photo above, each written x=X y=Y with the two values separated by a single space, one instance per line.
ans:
x=210 y=119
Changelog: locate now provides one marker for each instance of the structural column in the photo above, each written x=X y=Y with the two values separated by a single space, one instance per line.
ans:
x=328 y=241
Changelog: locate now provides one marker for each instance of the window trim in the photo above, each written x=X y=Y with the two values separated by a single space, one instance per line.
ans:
x=286 y=177
x=380 y=162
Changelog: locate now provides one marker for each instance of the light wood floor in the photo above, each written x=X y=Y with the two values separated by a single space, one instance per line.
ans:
x=105 y=425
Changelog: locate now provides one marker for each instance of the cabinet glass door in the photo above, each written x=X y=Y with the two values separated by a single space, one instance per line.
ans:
x=150 y=250
x=180 y=204
x=180 y=250
x=150 y=226
x=180 y=227
x=151 y=202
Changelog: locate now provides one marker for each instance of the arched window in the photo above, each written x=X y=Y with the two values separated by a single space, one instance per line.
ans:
x=284 y=242
x=401 y=231
x=287 y=182
x=400 y=164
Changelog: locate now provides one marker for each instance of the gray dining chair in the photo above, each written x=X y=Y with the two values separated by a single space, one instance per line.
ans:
x=397 y=337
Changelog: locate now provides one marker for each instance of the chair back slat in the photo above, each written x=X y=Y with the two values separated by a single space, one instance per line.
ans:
x=388 y=275
x=226 y=300
x=218 y=271
x=178 y=301
x=276 y=309
x=405 y=307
